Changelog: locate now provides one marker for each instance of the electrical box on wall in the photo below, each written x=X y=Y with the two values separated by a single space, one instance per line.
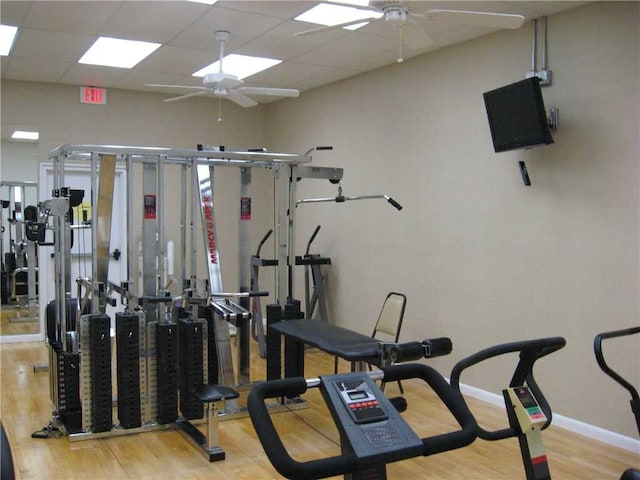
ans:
x=543 y=75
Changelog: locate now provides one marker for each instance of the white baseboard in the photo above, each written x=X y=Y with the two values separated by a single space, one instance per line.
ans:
x=560 y=421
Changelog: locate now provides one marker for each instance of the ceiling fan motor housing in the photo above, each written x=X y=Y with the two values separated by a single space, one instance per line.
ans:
x=396 y=16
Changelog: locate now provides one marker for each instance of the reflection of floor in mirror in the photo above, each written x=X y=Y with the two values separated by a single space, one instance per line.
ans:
x=19 y=320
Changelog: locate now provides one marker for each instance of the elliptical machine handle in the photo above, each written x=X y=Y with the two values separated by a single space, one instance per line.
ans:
x=273 y=447
x=451 y=398
x=530 y=352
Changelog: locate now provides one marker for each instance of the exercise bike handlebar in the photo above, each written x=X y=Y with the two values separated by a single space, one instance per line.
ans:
x=530 y=351
x=348 y=462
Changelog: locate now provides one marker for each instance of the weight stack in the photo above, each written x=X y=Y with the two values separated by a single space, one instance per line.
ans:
x=293 y=349
x=274 y=343
x=190 y=366
x=212 y=347
x=128 y=369
x=167 y=374
x=101 y=401
x=68 y=402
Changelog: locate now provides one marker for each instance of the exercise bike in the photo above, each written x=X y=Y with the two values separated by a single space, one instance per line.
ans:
x=372 y=432
x=631 y=473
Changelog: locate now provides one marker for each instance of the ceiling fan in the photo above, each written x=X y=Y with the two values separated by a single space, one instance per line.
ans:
x=400 y=14
x=224 y=85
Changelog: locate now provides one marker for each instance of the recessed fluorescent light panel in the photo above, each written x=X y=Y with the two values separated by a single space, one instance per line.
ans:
x=115 y=52
x=329 y=15
x=207 y=2
x=7 y=36
x=242 y=66
x=25 y=135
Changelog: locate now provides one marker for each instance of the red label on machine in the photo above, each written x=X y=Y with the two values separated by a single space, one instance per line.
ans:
x=149 y=207
x=207 y=210
x=245 y=208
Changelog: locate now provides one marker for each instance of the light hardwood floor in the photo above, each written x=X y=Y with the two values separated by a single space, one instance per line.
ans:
x=308 y=433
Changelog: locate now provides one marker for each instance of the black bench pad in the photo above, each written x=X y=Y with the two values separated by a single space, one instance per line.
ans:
x=332 y=339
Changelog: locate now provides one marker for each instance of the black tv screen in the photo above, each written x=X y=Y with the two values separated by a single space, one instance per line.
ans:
x=517 y=117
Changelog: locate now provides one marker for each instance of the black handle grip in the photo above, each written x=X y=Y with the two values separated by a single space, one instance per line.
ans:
x=272 y=444
x=262 y=242
x=597 y=348
x=258 y=294
x=313 y=237
x=437 y=347
x=325 y=147
x=394 y=203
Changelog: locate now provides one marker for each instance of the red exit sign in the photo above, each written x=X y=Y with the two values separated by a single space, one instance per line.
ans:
x=93 y=95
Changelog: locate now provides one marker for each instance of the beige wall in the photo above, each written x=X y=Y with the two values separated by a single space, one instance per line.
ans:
x=482 y=258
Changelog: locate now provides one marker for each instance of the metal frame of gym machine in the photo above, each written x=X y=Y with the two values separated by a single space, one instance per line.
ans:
x=75 y=338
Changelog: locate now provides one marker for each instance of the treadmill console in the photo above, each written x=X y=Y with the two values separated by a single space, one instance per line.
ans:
x=369 y=424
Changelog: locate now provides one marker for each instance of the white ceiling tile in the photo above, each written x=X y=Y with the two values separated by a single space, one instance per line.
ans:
x=242 y=25
x=12 y=12
x=278 y=9
x=36 y=70
x=179 y=60
x=36 y=43
x=81 y=17
x=352 y=47
x=281 y=42
x=93 y=75
x=152 y=21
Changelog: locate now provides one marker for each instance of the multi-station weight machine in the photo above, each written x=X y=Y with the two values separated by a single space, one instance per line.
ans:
x=18 y=250
x=165 y=344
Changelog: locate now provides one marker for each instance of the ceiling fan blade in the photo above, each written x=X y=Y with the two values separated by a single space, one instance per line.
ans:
x=188 y=95
x=241 y=99
x=279 y=92
x=335 y=27
x=483 y=19
x=190 y=87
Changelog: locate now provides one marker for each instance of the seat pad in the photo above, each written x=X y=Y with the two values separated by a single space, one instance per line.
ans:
x=338 y=341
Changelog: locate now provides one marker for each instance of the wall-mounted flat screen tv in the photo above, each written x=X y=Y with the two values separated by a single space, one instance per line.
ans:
x=517 y=117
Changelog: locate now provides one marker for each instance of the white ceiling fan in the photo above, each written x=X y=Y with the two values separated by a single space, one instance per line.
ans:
x=401 y=14
x=225 y=85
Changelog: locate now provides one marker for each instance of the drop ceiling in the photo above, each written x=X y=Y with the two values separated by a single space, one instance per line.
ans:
x=53 y=35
